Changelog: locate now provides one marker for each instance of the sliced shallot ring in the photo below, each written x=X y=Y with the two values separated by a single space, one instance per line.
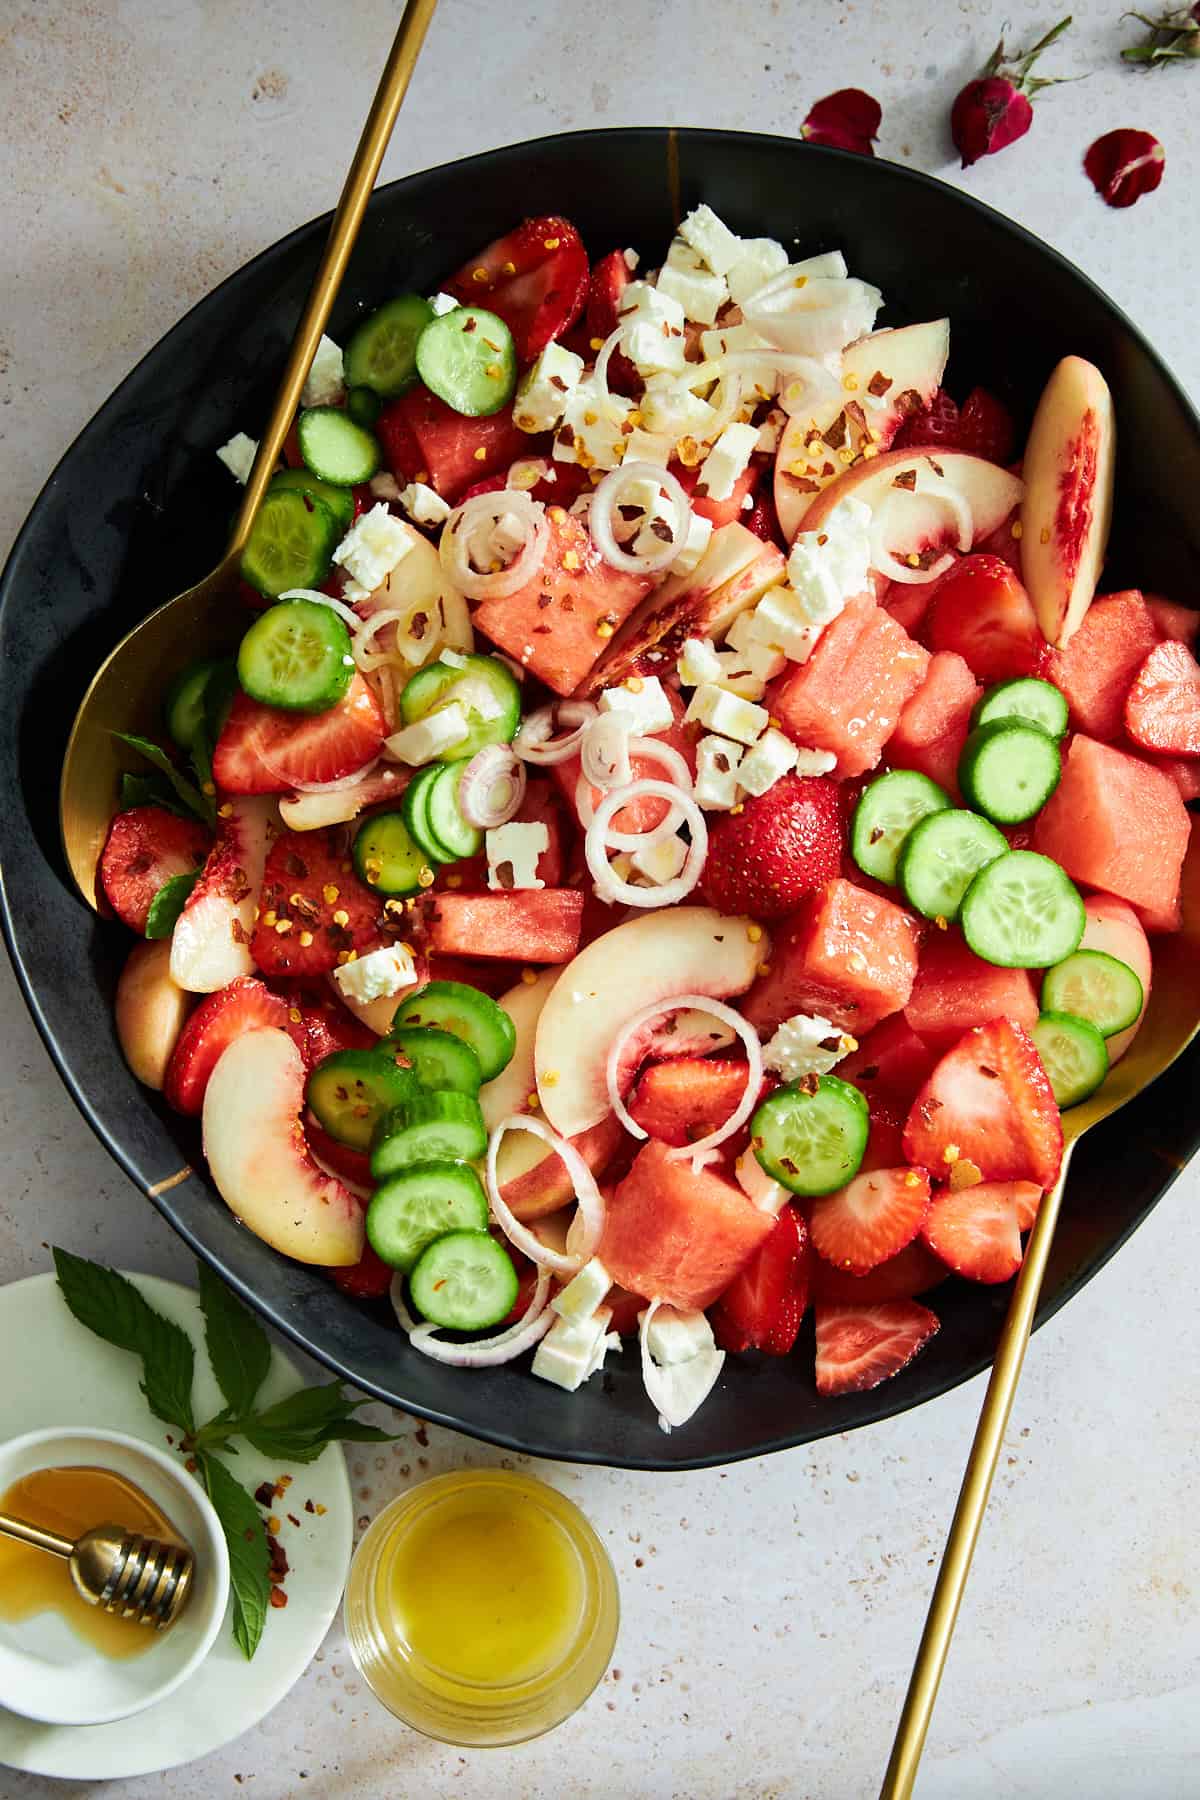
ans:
x=336 y=787
x=535 y=741
x=754 y=1069
x=369 y=629
x=602 y=526
x=460 y=527
x=591 y=1200
x=346 y=613
x=600 y=367
x=599 y=839
x=478 y=800
x=604 y=751
x=485 y=1353
x=678 y=774
x=660 y=1383
x=714 y=371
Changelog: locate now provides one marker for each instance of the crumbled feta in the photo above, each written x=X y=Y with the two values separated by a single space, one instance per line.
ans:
x=437 y=731
x=423 y=505
x=475 y=695
x=652 y=349
x=512 y=854
x=740 y=635
x=444 y=303
x=543 y=389
x=727 y=715
x=591 y=432
x=326 y=379
x=759 y=259
x=759 y=380
x=806 y=1044
x=768 y=1195
x=453 y=659
x=583 y=1294
x=507 y=536
x=712 y=240
x=379 y=974
x=659 y=524
x=660 y=862
x=675 y=1337
x=815 y=762
x=670 y=409
x=695 y=543
x=384 y=486
x=644 y=304
x=645 y=704
x=698 y=663
x=680 y=1362
x=680 y=255
x=656 y=447
x=573 y=1350
x=736 y=678
x=700 y=293
x=632 y=259
x=827 y=567
x=764 y=661
x=238 y=455
x=717 y=764
x=773 y=755
x=370 y=550
x=779 y=623
x=727 y=460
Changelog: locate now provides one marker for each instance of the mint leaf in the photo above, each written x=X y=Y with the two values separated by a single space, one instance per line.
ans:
x=168 y=903
x=115 y=1310
x=249 y=1558
x=298 y=1427
x=149 y=790
x=238 y=1347
x=202 y=805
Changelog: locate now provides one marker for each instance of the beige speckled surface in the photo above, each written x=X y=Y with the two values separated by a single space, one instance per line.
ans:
x=151 y=146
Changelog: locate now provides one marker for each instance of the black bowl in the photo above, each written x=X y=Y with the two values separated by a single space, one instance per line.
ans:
x=136 y=511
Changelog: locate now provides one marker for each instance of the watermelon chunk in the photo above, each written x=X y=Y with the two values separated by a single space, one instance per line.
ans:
x=676 y=1234
x=1094 y=671
x=889 y=1065
x=1173 y=620
x=450 y=451
x=849 y=694
x=561 y=621
x=530 y=925
x=956 y=989
x=847 y=955
x=1116 y=824
x=1183 y=770
x=932 y=729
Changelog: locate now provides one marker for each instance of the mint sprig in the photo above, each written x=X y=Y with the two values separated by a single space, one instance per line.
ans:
x=186 y=792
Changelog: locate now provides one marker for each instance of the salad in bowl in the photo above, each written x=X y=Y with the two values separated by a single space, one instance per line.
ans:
x=678 y=827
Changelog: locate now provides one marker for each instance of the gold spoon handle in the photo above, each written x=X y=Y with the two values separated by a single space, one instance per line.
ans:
x=972 y=1502
x=41 y=1539
x=360 y=180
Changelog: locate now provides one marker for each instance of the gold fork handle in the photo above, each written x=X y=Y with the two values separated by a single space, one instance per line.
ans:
x=393 y=85
x=972 y=1502
x=41 y=1539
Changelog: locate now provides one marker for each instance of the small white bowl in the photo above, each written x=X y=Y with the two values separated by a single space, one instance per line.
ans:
x=47 y=1672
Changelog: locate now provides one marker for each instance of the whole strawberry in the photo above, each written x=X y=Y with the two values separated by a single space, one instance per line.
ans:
x=764 y=859
x=995 y=109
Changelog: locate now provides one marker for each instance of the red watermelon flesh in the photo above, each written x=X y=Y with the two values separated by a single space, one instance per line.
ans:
x=646 y=812
x=1173 y=620
x=933 y=727
x=890 y=1064
x=956 y=989
x=1094 y=671
x=847 y=955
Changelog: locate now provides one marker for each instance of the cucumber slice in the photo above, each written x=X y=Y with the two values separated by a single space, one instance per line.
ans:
x=488 y=693
x=413 y=1208
x=381 y=357
x=297 y=656
x=388 y=858
x=335 y=448
x=339 y=500
x=184 y=705
x=1009 y=770
x=414 y=809
x=350 y=1090
x=291 y=543
x=438 y=1059
x=1074 y=1056
x=1097 y=987
x=464 y=1281
x=446 y=821
x=1023 y=912
x=466 y=1013
x=942 y=855
x=1028 y=699
x=466 y=358
x=219 y=696
x=886 y=813
x=443 y=1126
x=811 y=1140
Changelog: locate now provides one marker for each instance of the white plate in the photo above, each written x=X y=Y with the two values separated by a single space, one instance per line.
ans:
x=57 y=1373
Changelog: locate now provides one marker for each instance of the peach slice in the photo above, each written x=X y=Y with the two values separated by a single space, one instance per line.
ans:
x=884 y=377
x=210 y=946
x=1115 y=928
x=1065 y=515
x=150 y=1011
x=260 y=1162
x=917 y=493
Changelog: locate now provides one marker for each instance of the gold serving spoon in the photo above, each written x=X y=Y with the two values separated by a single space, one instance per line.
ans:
x=139 y=1578
x=1171 y=1023
x=197 y=622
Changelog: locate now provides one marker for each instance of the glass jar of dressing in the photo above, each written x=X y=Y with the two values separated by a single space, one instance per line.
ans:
x=482 y=1608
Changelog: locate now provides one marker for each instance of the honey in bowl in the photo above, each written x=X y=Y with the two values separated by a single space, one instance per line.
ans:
x=71 y=1501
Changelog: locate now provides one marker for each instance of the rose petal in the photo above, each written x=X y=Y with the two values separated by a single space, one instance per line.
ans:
x=988 y=115
x=847 y=120
x=1124 y=165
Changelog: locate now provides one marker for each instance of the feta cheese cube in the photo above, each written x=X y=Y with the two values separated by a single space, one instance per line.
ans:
x=643 y=304
x=632 y=259
x=512 y=854
x=768 y=1195
x=727 y=460
x=680 y=255
x=726 y=715
x=444 y=303
x=736 y=678
x=765 y=661
x=370 y=550
x=806 y=1044
x=717 y=763
x=815 y=762
x=238 y=455
x=670 y=409
x=436 y=732
x=773 y=755
x=644 y=704
x=591 y=433
x=423 y=505
x=759 y=380
x=700 y=293
x=758 y=261
x=378 y=975
x=698 y=663
x=827 y=567
x=661 y=862
x=573 y=1350
x=384 y=486
x=326 y=379
x=675 y=1337
x=695 y=543
x=740 y=635
x=653 y=349
x=582 y=1295
x=712 y=240
x=656 y=447
x=543 y=389
x=780 y=624
x=660 y=522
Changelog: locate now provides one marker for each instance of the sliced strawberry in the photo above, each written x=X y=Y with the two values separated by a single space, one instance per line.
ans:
x=763 y=520
x=780 y=847
x=264 y=750
x=535 y=279
x=423 y=439
x=1162 y=709
x=871 y=1219
x=684 y=1099
x=146 y=847
x=979 y=609
x=313 y=908
x=367 y=1279
x=610 y=277
x=860 y=1346
x=349 y=1165
x=985 y=426
x=318 y=1024
x=245 y=1005
x=989 y=1102
x=914 y=1271
x=937 y=423
x=977 y=1231
x=762 y=1307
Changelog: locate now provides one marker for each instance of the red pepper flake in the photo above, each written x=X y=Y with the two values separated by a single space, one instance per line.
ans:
x=879 y=384
x=1124 y=165
x=846 y=120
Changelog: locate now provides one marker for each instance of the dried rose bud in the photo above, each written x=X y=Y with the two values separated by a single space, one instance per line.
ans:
x=847 y=120
x=1173 y=37
x=995 y=109
x=1124 y=165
